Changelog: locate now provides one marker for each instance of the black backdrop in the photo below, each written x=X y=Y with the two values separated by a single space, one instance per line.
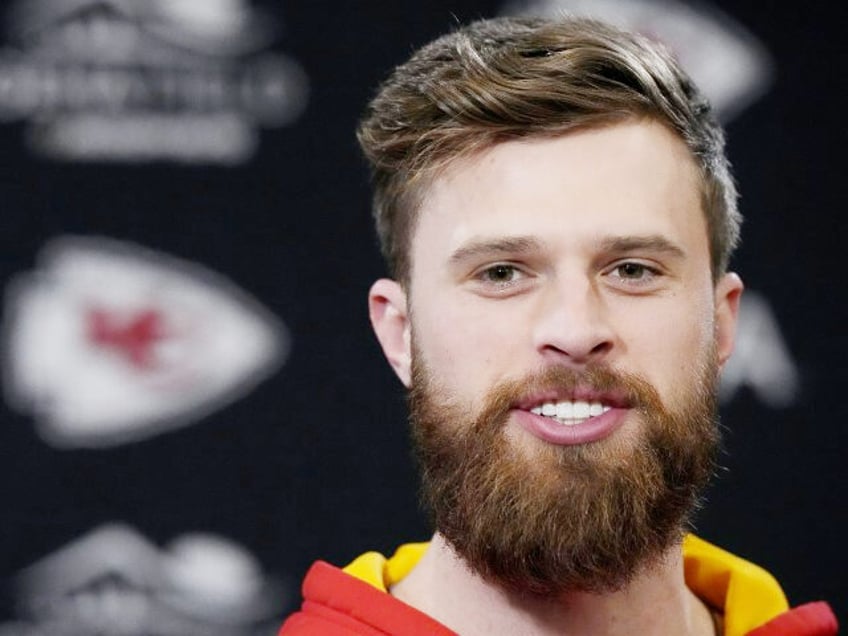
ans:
x=313 y=461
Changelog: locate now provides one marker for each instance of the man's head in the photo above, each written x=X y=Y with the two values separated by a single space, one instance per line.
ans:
x=563 y=309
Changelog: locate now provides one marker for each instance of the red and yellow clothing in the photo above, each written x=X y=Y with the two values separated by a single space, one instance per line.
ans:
x=355 y=602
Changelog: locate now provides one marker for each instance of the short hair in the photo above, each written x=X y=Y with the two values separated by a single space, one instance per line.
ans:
x=511 y=78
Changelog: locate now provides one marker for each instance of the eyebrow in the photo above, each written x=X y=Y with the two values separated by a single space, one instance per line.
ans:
x=513 y=245
x=524 y=244
x=651 y=243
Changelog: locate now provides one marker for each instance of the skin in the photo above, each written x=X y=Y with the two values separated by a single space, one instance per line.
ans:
x=586 y=248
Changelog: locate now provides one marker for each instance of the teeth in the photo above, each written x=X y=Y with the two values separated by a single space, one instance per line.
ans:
x=570 y=413
x=581 y=410
x=564 y=410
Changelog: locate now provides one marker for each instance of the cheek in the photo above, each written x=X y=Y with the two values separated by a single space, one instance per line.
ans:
x=465 y=343
x=672 y=345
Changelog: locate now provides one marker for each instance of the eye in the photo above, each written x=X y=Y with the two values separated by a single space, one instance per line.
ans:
x=502 y=273
x=501 y=280
x=634 y=273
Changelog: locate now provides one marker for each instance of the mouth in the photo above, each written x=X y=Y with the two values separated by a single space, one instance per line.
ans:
x=581 y=417
x=576 y=406
x=571 y=412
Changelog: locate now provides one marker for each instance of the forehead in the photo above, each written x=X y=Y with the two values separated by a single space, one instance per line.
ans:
x=628 y=178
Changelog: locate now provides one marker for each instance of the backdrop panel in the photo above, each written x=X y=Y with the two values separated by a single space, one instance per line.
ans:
x=194 y=406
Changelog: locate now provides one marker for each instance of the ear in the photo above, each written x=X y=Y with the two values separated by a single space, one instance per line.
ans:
x=387 y=308
x=728 y=292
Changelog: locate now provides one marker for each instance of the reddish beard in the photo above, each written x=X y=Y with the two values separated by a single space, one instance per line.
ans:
x=546 y=519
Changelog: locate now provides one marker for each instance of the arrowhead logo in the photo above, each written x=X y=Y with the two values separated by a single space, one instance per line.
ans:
x=108 y=343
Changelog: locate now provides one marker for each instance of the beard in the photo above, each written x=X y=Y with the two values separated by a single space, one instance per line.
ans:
x=543 y=519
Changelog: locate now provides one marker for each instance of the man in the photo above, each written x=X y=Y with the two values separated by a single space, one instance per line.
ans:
x=557 y=212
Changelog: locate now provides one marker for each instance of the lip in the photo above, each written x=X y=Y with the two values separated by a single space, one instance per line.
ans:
x=591 y=430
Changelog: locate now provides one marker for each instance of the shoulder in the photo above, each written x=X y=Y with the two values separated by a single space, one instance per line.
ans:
x=339 y=603
x=749 y=598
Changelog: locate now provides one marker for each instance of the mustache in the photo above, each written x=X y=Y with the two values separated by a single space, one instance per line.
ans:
x=625 y=389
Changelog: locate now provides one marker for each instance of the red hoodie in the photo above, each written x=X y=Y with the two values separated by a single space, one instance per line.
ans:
x=354 y=602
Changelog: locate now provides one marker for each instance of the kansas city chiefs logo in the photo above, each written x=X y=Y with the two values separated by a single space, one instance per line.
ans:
x=107 y=342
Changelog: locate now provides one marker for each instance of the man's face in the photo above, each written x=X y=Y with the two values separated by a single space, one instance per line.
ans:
x=562 y=287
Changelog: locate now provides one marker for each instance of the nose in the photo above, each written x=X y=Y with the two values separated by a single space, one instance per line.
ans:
x=572 y=325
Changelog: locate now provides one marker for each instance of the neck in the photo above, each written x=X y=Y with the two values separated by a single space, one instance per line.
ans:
x=656 y=602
